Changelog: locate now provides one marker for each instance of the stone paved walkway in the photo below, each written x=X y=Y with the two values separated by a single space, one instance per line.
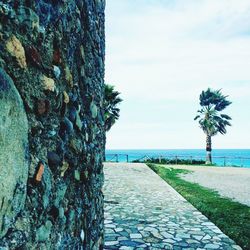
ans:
x=144 y=212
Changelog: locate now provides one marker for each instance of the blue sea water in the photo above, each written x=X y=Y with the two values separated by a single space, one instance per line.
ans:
x=221 y=157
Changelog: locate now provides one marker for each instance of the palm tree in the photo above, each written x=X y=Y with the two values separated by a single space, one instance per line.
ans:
x=210 y=119
x=111 y=111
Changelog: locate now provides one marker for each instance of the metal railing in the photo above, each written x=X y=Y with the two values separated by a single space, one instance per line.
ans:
x=115 y=157
x=236 y=161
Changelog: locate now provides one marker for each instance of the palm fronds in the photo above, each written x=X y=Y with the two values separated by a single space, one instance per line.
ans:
x=111 y=111
x=210 y=119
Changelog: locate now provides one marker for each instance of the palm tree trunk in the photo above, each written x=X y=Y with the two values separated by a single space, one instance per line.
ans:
x=209 y=149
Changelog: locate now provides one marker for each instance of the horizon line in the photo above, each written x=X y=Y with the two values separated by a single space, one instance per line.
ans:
x=174 y=148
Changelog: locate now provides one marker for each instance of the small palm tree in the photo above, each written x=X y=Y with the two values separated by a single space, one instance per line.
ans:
x=210 y=119
x=111 y=111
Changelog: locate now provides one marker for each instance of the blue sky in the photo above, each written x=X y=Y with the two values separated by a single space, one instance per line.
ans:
x=161 y=54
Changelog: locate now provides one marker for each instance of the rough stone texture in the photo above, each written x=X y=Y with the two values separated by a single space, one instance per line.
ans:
x=13 y=146
x=52 y=61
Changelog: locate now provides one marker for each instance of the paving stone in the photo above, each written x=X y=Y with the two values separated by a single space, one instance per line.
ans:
x=212 y=246
x=222 y=236
x=140 y=241
x=159 y=245
x=207 y=224
x=135 y=236
x=177 y=248
x=122 y=238
x=183 y=236
x=119 y=229
x=207 y=237
x=111 y=243
x=200 y=233
x=107 y=221
x=109 y=238
x=151 y=229
x=177 y=239
x=126 y=248
x=151 y=240
x=129 y=243
x=181 y=244
x=157 y=235
x=110 y=226
x=152 y=215
x=169 y=241
x=167 y=235
x=123 y=233
x=169 y=247
x=216 y=238
x=109 y=231
x=190 y=241
x=217 y=231
x=143 y=246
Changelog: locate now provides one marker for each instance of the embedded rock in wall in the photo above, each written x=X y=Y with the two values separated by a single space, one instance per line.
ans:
x=13 y=157
x=52 y=71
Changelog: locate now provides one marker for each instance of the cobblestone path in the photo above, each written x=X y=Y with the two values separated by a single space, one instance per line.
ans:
x=144 y=212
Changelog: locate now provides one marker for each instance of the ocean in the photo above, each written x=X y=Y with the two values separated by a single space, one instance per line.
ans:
x=221 y=157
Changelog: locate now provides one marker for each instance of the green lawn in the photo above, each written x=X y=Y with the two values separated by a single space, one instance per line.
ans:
x=231 y=217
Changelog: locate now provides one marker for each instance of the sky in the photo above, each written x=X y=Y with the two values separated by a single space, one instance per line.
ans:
x=160 y=54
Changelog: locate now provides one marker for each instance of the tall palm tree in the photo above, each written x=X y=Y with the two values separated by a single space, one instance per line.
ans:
x=210 y=119
x=111 y=111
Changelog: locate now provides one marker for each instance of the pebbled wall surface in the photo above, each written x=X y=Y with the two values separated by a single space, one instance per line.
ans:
x=51 y=124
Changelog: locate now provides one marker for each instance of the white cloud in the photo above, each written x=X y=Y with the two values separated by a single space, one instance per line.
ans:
x=162 y=53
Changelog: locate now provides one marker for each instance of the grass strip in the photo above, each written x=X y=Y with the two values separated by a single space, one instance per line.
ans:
x=233 y=218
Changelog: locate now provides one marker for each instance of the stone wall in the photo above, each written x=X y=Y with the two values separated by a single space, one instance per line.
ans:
x=51 y=124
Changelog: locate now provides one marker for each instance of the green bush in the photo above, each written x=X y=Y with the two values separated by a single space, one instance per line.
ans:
x=172 y=161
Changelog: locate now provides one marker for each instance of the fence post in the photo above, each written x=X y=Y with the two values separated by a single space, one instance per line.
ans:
x=116 y=158
x=191 y=160
x=127 y=158
x=159 y=159
x=176 y=159
x=224 y=161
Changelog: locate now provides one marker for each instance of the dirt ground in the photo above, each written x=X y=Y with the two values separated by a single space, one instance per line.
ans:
x=230 y=182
